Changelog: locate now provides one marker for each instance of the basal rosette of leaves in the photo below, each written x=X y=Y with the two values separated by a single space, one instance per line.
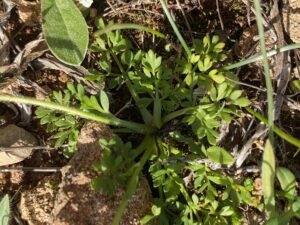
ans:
x=192 y=93
x=195 y=93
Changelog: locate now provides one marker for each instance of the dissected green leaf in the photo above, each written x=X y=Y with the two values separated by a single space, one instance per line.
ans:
x=268 y=178
x=65 y=30
x=219 y=155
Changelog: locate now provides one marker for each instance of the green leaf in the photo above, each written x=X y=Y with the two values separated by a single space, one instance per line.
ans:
x=217 y=77
x=65 y=30
x=101 y=43
x=206 y=40
x=286 y=179
x=62 y=123
x=218 y=47
x=156 y=210
x=215 y=39
x=61 y=140
x=296 y=208
x=295 y=85
x=242 y=102
x=46 y=119
x=207 y=63
x=58 y=96
x=105 y=65
x=91 y=103
x=194 y=58
x=4 y=210
x=235 y=95
x=127 y=57
x=222 y=88
x=146 y=219
x=226 y=211
x=219 y=155
x=104 y=101
x=268 y=178
x=41 y=112
x=220 y=180
x=195 y=199
x=71 y=88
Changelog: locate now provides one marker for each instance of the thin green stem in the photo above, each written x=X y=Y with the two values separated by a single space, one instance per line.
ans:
x=189 y=201
x=179 y=36
x=105 y=118
x=133 y=182
x=177 y=113
x=292 y=140
x=259 y=57
x=157 y=109
x=266 y=67
x=127 y=26
x=147 y=117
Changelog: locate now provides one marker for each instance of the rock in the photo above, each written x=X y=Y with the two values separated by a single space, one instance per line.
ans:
x=291 y=19
x=36 y=205
x=73 y=201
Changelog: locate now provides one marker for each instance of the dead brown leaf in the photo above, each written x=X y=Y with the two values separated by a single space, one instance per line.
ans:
x=13 y=136
x=29 y=12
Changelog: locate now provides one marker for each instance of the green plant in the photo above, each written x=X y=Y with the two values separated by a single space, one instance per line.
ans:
x=197 y=94
x=182 y=104
x=66 y=31
x=287 y=181
x=66 y=127
x=4 y=210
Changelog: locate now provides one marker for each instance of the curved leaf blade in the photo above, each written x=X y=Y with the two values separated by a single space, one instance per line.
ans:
x=65 y=30
x=268 y=178
x=104 y=101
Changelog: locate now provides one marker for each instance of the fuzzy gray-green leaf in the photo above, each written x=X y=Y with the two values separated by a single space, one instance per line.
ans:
x=65 y=30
